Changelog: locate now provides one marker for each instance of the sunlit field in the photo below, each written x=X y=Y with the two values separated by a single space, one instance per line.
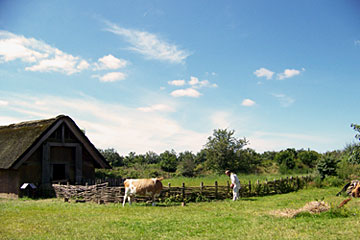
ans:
x=248 y=218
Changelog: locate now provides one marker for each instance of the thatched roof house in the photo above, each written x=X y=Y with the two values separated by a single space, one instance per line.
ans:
x=45 y=151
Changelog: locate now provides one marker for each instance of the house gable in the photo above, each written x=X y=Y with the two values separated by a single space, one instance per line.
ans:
x=19 y=141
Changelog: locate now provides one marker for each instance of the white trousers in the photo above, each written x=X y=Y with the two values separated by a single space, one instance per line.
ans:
x=236 y=193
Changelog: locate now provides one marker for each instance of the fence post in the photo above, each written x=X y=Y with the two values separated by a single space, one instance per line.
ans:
x=249 y=187
x=169 y=191
x=216 y=190
x=201 y=188
x=183 y=192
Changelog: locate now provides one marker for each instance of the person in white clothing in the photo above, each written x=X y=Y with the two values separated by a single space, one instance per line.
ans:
x=235 y=184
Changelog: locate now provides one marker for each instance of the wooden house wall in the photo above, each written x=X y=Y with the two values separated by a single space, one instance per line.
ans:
x=9 y=183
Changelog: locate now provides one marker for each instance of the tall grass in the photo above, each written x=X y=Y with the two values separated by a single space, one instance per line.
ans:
x=248 y=218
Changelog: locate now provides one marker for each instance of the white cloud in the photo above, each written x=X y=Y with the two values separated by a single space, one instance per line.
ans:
x=193 y=81
x=14 y=47
x=109 y=125
x=288 y=73
x=357 y=42
x=177 y=82
x=284 y=100
x=43 y=57
x=3 y=103
x=248 y=103
x=263 y=72
x=189 y=92
x=110 y=62
x=157 y=108
x=111 y=77
x=150 y=45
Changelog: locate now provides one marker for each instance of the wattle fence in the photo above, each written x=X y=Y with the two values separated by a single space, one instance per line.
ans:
x=113 y=191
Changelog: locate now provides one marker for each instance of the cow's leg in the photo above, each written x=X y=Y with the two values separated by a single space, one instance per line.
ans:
x=125 y=196
x=153 y=201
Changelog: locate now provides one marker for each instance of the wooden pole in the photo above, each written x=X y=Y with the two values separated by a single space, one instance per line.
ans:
x=183 y=191
x=216 y=190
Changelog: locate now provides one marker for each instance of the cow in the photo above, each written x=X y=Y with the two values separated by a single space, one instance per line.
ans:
x=142 y=187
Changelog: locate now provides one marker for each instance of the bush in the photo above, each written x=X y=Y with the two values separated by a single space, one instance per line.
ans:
x=348 y=171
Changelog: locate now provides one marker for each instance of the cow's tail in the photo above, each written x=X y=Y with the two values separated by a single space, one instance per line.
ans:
x=344 y=189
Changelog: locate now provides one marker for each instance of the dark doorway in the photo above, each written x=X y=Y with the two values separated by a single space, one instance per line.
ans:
x=59 y=172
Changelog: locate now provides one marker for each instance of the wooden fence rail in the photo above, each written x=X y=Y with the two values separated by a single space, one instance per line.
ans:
x=114 y=191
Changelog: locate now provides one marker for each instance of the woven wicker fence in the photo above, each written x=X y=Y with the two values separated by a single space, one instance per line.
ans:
x=104 y=193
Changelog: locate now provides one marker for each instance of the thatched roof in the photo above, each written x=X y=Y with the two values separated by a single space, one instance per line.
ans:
x=16 y=140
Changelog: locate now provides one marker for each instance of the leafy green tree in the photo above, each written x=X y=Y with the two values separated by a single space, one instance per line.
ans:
x=221 y=150
x=247 y=160
x=168 y=161
x=309 y=158
x=327 y=165
x=354 y=157
x=112 y=157
x=286 y=159
x=187 y=164
x=152 y=157
x=200 y=157
x=129 y=160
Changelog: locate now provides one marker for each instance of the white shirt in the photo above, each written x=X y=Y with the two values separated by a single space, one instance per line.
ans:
x=234 y=179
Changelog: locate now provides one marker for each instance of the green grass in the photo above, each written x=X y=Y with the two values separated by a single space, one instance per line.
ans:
x=222 y=179
x=248 y=218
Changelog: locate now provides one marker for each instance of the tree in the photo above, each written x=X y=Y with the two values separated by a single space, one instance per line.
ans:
x=286 y=159
x=247 y=160
x=221 y=150
x=309 y=158
x=112 y=157
x=168 y=161
x=129 y=160
x=187 y=164
x=327 y=166
x=152 y=157
x=354 y=157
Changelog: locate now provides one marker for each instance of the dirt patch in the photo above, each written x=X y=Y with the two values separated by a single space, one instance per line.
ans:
x=311 y=207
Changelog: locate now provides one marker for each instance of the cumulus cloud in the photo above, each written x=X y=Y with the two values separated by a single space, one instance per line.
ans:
x=177 y=82
x=157 y=108
x=263 y=72
x=248 y=102
x=149 y=44
x=110 y=62
x=42 y=56
x=189 y=92
x=288 y=73
x=111 y=77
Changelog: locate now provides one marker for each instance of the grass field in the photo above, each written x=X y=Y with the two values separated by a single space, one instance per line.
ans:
x=245 y=219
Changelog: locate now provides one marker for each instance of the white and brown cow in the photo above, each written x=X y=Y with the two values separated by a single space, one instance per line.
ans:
x=142 y=187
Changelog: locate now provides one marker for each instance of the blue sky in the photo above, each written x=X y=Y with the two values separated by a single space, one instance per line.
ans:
x=162 y=75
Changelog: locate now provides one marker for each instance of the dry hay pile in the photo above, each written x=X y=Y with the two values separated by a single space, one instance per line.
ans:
x=311 y=207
